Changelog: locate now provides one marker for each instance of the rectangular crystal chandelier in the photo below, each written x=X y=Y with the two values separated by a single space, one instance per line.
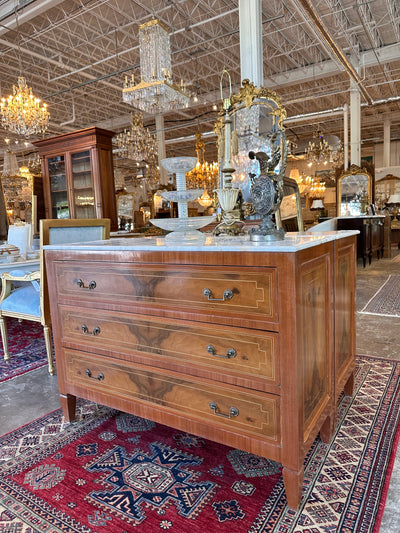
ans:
x=156 y=92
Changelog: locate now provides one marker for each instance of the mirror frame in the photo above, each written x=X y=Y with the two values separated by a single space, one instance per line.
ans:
x=248 y=96
x=354 y=170
x=125 y=194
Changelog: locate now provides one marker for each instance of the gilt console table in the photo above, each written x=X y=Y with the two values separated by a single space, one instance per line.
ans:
x=246 y=344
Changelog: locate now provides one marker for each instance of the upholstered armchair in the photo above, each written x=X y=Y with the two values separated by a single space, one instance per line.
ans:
x=24 y=294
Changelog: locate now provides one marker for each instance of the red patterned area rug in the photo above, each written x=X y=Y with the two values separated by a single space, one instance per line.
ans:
x=386 y=301
x=116 y=473
x=27 y=349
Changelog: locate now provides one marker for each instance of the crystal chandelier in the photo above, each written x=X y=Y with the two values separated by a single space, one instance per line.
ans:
x=156 y=92
x=35 y=164
x=21 y=112
x=204 y=175
x=137 y=143
x=10 y=164
x=317 y=188
x=318 y=149
x=337 y=156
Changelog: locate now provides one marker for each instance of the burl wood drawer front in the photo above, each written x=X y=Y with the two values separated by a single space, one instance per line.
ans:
x=255 y=413
x=203 y=289
x=221 y=349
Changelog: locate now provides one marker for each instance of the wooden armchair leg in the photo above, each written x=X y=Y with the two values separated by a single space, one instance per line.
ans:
x=49 y=349
x=4 y=338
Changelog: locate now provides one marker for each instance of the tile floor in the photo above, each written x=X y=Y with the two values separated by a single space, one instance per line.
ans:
x=32 y=395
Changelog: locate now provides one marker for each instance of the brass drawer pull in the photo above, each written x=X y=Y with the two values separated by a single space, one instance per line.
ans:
x=80 y=283
x=230 y=353
x=226 y=296
x=233 y=411
x=96 y=330
x=100 y=377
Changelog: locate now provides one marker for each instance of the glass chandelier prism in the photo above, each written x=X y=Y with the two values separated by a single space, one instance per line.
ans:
x=21 y=112
x=204 y=175
x=137 y=143
x=156 y=92
x=318 y=149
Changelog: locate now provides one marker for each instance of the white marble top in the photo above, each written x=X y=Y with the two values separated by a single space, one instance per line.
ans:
x=360 y=216
x=293 y=242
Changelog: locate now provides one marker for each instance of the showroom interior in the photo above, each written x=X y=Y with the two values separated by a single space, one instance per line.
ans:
x=139 y=101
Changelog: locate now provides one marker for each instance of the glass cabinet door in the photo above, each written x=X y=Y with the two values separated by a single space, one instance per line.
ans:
x=82 y=184
x=58 y=187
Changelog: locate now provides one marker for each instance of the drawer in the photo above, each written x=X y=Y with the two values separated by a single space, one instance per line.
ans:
x=248 y=354
x=230 y=407
x=229 y=292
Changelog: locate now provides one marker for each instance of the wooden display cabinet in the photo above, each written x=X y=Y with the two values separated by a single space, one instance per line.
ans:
x=78 y=175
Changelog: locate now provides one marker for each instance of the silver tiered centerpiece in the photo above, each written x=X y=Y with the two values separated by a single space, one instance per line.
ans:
x=184 y=229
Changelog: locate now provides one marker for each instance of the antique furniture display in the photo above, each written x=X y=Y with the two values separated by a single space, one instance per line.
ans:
x=370 y=240
x=354 y=192
x=252 y=353
x=386 y=187
x=30 y=300
x=78 y=175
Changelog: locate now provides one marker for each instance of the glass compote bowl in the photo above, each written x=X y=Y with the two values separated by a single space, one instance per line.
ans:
x=183 y=230
x=189 y=195
x=180 y=165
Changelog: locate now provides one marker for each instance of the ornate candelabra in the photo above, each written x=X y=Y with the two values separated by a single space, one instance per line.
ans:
x=227 y=196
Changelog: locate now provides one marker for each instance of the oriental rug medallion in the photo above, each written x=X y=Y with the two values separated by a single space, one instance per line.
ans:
x=116 y=473
x=26 y=346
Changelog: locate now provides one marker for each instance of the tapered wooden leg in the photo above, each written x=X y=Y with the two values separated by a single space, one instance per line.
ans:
x=4 y=338
x=293 y=486
x=49 y=349
x=327 y=429
x=68 y=406
x=349 y=386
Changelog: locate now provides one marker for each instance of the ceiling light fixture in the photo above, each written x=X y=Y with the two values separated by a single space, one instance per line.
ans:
x=156 y=92
x=137 y=143
x=21 y=112
x=318 y=149
x=204 y=175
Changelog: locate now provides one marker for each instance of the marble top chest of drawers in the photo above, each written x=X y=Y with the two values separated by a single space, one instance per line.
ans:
x=249 y=349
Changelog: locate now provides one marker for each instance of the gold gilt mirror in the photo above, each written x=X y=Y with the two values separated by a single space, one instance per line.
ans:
x=354 y=192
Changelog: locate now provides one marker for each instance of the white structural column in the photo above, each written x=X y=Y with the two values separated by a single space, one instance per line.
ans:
x=251 y=52
x=355 y=124
x=386 y=141
x=161 y=147
x=346 y=136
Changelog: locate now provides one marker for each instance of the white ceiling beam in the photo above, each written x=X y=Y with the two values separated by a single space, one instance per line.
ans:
x=30 y=11
x=368 y=59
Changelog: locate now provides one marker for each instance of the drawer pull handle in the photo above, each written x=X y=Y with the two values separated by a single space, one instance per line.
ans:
x=233 y=411
x=96 y=330
x=230 y=353
x=80 y=283
x=100 y=377
x=226 y=296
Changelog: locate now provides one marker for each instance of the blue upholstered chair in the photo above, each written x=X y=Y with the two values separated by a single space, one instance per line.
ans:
x=24 y=294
